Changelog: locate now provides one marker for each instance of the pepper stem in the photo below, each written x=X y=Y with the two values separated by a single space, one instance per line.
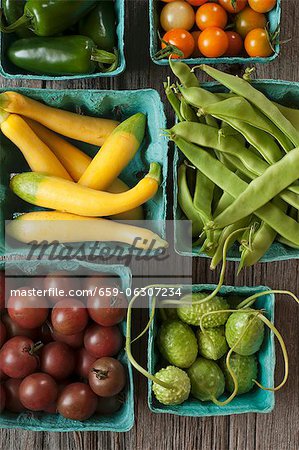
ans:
x=23 y=20
x=103 y=57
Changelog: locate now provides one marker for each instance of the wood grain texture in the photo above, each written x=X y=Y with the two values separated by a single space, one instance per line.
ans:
x=276 y=431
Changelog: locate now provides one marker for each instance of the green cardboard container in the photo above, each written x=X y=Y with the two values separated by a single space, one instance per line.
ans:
x=8 y=70
x=110 y=104
x=122 y=420
x=256 y=401
x=283 y=92
x=274 y=17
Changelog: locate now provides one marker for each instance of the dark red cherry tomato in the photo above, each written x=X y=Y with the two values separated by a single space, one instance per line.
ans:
x=37 y=391
x=84 y=362
x=3 y=333
x=13 y=329
x=13 y=403
x=107 y=377
x=235 y=44
x=28 y=311
x=72 y=340
x=69 y=316
x=95 y=282
x=109 y=405
x=18 y=357
x=77 y=402
x=58 y=360
x=2 y=398
x=102 y=341
x=59 y=285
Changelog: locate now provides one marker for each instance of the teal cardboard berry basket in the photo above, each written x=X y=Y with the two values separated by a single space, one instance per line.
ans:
x=8 y=70
x=255 y=401
x=122 y=420
x=284 y=92
x=274 y=17
x=109 y=104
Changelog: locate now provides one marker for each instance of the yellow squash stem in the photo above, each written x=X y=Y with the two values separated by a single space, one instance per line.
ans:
x=92 y=130
x=76 y=162
x=37 y=154
x=38 y=226
x=62 y=195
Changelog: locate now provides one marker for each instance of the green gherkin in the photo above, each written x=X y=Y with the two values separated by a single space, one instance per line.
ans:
x=245 y=369
x=176 y=378
x=207 y=380
x=177 y=343
x=212 y=343
x=192 y=314
x=244 y=332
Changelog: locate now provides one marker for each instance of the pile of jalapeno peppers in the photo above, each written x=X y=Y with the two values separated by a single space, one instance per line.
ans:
x=61 y=37
x=245 y=152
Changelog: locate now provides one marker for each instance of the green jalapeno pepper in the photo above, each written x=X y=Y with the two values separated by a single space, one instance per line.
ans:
x=99 y=25
x=65 y=55
x=50 y=17
x=13 y=10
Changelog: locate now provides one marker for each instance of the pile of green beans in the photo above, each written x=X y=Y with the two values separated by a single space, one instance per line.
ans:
x=243 y=150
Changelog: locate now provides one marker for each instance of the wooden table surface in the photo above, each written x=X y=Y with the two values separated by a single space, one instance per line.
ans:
x=276 y=431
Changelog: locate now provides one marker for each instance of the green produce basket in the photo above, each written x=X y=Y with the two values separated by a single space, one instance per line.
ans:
x=258 y=400
x=110 y=104
x=283 y=92
x=8 y=70
x=274 y=17
x=122 y=420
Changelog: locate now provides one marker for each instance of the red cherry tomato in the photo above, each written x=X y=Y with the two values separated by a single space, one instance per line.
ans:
x=213 y=42
x=109 y=405
x=72 y=340
x=58 y=360
x=233 y=6
x=18 y=357
x=3 y=333
x=262 y=6
x=107 y=307
x=257 y=43
x=69 y=316
x=182 y=40
x=107 y=377
x=2 y=398
x=197 y=2
x=13 y=329
x=235 y=44
x=102 y=341
x=248 y=20
x=28 y=311
x=177 y=14
x=13 y=403
x=37 y=391
x=211 y=15
x=59 y=285
x=77 y=402
x=96 y=282
x=84 y=363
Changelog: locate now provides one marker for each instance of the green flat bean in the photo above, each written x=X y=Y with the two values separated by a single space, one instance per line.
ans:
x=211 y=121
x=203 y=196
x=233 y=185
x=284 y=241
x=246 y=90
x=186 y=202
x=290 y=113
x=236 y=107
x=262 y=189
x=183 y=73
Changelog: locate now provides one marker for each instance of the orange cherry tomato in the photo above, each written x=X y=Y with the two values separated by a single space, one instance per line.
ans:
x=248 y=20
x=235 y=44
x=168 y=1
x=233 y=6
x=213 y=42
x=197 y=2
x=177 y=14
x=211 y=15
x=181 y=39
x=257 y=43
x=262 y=6
x=196 y=53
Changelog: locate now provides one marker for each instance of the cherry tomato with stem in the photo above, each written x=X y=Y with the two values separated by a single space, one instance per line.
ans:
x=235 y=44
x=178 y=43
x=213 y=42
x=178 y=14
x=107 y=377
x=28 y=311
x=257 y=43
x=69 y=316
x=13 y=403
x=37 y=391
x=18 y=357
x=211 y=15
x=77 y=402
x=58 y=360
x=103 y=341
x=233 y=6
x=262 y=6
x=248 y=20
